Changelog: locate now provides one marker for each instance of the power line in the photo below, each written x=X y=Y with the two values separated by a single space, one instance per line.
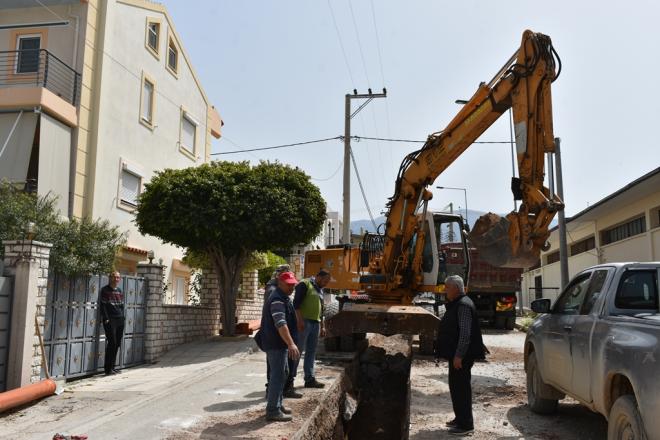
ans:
x=277 y=146
x=341 y=162
x=340 y=138
x=357 y=34
x=341 y=44
x=364 y=196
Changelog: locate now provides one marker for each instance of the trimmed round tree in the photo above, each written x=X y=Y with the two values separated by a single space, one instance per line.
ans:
x=227 y=210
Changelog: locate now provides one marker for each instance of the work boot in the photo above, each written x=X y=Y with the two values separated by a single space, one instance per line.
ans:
x=279 y=417
x=451 y=424
x=460 y=432
x=313 y=383
x=291 y=393
x=285 y=410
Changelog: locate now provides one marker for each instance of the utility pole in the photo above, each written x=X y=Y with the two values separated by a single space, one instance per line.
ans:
x=563 y=246
x=346 y=227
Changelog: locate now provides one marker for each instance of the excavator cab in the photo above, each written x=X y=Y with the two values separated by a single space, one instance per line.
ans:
x=439 y=230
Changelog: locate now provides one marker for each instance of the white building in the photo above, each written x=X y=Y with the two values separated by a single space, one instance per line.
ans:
x=624 y=226
x=101 y=95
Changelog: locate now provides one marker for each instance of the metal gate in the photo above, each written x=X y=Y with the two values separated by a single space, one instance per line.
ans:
x=73 y=335
x=6 y=292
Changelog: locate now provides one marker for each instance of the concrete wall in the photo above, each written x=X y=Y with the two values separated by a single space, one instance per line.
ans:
x=643 y=247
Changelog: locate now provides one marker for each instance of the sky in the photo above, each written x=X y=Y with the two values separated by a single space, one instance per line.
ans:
x=278 y=71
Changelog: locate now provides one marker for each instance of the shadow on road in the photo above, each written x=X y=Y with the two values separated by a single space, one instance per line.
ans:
x=572 y=421
x=233 y=405
x=240 y=430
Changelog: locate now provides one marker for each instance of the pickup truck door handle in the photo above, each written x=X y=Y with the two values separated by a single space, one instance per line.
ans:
x=568 y=328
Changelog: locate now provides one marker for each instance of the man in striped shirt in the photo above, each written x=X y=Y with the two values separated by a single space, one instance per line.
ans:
x=278 y=324
x=461 y=343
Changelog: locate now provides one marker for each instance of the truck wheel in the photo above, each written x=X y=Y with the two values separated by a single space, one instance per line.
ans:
x=624 y=421
x=535 y=386
x=511 y=323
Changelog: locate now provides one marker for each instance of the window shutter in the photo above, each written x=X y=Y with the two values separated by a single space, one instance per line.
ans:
x=188 y=129
x=130 y=188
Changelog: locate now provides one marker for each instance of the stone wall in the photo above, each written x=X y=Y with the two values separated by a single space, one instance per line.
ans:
x=170 y=325
x=26 y=262
x=250 y=297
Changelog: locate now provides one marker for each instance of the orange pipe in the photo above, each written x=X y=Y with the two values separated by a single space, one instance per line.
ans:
x=28 y=393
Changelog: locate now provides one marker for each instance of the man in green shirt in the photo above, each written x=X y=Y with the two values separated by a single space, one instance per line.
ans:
x=308 y=302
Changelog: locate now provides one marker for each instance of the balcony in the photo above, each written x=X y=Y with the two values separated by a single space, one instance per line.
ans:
x=39 y=68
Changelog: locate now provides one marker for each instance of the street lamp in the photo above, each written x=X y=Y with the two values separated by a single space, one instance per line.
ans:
x=464 y=193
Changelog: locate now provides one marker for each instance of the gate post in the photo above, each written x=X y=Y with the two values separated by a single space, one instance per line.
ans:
x=27 y=262
x=153 y=332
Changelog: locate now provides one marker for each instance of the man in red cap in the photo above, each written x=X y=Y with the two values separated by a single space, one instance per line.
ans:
x=278 y=324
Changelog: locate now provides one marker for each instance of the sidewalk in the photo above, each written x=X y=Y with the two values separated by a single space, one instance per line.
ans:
x=189 y=382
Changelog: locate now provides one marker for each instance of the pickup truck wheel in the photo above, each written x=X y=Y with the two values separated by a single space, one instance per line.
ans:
x=535 y=384
x=624 y=422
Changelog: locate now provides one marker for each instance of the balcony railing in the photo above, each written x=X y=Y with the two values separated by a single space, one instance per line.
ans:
x=39 y=68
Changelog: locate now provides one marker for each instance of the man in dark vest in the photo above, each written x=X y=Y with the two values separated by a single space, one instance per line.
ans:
x=460 y=342
x=278 y=327
x=112 y=316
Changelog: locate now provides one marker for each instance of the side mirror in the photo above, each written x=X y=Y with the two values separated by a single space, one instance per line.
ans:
x=541 y=305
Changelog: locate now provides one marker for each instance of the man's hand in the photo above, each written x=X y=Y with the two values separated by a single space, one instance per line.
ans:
x=301 y=325
x=294 y=353
x=458 y=363
x=323 y=330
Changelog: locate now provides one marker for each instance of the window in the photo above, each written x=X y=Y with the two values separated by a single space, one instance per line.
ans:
x=655 y=217
x=595 y=287
x=638 y=289
x=552 y=257
x=172 y=57
x=631 y=228
x=180 y=285
x=28 y=54
x=188 y=133
x=583 y=246
x=570 y=301
x=153 y=35
x=129 y=188
x=147 y=102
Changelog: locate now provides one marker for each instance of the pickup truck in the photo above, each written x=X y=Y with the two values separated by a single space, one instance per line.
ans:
x=600 y=344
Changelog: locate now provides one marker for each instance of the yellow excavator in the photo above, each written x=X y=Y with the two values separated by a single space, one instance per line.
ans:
x=390 y=268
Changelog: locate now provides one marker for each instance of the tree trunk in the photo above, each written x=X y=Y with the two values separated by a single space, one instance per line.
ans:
x=228 y=270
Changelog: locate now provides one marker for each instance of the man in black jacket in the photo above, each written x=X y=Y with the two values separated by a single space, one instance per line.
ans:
x=461 y=343
x=112 y=316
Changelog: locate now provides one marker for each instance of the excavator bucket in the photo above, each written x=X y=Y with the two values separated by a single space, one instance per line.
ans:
x=498 y=241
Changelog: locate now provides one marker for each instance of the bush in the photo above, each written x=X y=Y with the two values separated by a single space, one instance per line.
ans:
x=79 y=246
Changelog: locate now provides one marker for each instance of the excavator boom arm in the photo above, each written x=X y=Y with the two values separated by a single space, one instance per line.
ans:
x=523 y=84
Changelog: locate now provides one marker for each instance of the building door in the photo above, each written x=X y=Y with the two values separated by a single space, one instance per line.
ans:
x=538 y=287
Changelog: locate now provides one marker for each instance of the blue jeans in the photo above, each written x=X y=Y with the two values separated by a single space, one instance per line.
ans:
x=277 y=360
x=308 y=343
